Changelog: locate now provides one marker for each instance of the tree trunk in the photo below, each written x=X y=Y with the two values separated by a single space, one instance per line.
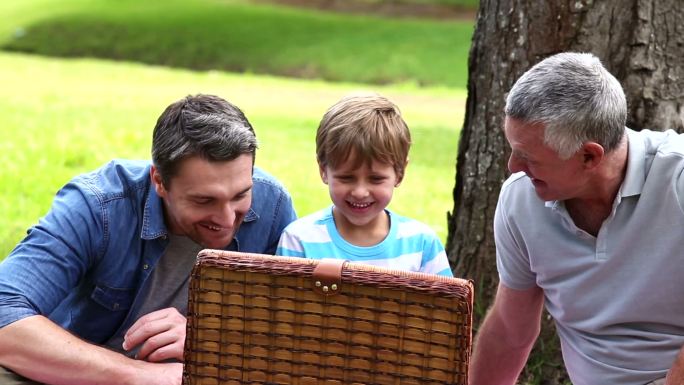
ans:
x=640 y=41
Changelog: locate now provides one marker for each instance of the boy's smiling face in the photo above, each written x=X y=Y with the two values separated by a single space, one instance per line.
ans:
x=360 y=194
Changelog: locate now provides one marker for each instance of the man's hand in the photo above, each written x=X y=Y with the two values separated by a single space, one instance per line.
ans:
x=161 y=333
x=65 y=359
x=675 y=376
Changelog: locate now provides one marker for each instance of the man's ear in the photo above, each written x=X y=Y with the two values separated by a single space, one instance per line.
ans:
x=156 y=179
x=324 y=174
x=593 y=154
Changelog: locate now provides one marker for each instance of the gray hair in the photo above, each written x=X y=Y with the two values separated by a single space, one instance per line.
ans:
x=201 y=125
x=575 y=98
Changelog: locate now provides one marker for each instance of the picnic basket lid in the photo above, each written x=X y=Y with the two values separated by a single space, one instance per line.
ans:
x=261 y=319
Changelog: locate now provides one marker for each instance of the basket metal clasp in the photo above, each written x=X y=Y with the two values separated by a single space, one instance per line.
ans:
x=327 y=276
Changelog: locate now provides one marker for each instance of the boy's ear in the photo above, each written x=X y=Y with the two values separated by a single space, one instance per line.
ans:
x=324 y=174
x=401 y=178
x=156 y=179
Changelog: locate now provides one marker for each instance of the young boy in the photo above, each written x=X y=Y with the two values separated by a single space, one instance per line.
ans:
x=362 y=146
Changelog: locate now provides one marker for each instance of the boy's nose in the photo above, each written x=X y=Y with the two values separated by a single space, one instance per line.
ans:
x=360 y=191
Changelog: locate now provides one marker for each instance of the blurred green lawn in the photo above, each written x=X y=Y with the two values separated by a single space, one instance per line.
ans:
x=234 y=35
x=63 y=116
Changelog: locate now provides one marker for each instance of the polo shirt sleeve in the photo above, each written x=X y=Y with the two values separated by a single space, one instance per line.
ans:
x=679 y=187
x=53 y=258
x=512 y=259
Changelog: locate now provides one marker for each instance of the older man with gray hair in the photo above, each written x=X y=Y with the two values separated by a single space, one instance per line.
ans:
x=588 y=226
x=97 y=291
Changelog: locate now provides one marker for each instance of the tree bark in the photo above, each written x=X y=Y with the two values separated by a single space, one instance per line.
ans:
x=641 y=42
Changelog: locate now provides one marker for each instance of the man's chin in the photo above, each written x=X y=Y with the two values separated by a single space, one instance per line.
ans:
x=215 y=242
x=544 y=194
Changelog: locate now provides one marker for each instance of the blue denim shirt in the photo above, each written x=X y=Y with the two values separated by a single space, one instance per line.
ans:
x=84 y=263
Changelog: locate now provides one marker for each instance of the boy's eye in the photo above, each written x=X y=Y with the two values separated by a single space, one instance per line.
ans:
x=202 y=201
x=377 y=179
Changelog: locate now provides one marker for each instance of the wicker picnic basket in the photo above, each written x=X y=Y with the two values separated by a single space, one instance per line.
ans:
x=257 y=319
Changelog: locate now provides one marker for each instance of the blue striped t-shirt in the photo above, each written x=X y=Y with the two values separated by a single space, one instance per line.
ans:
x=410 y=245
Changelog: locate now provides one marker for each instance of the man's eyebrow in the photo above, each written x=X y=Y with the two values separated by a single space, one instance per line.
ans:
x=199 y=197
x=245 y=190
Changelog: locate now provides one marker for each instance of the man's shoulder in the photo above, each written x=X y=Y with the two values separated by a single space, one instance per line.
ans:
x=516 y=181
x=518 y=196
x=673 y=145
x=666 y=142
x=115 y=179
x=269 y=195
x=659 y=153
x=263 y=179
x=518 y=186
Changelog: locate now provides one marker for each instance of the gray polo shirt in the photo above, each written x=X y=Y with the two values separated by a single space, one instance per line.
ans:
x=617 y=297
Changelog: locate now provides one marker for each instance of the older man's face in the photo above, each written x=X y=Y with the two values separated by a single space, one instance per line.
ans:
x=553 y=178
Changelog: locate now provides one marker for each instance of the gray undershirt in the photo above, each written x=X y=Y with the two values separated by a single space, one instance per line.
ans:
x=166 y=287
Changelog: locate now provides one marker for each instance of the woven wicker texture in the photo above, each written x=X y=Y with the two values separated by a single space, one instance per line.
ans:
x=255 y=319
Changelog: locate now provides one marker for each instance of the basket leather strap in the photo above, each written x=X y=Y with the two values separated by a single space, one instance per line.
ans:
x=327 y=276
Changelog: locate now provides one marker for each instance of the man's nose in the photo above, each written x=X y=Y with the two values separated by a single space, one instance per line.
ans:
x=515 y=164
x=226 y=215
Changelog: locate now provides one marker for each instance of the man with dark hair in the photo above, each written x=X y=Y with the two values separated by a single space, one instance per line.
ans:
x=96 y=291
x=587 y=225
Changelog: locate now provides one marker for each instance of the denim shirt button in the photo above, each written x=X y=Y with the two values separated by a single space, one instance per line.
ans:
x=146 y=266
x=115 y=306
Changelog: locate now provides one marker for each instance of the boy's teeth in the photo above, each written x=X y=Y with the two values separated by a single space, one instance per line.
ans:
x=360 y=205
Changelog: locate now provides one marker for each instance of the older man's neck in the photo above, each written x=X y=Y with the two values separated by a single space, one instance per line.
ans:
x=590 y=210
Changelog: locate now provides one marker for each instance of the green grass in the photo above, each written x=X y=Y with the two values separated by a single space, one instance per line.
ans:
x=232 y=35
x=61 y=117
x=457 y=3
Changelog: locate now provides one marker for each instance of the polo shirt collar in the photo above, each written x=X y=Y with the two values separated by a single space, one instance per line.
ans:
x=635 y=175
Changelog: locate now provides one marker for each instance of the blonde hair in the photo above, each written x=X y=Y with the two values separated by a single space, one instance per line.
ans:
x=368 y=127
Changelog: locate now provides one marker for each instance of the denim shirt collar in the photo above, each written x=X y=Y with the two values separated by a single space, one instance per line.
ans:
x=153 y=216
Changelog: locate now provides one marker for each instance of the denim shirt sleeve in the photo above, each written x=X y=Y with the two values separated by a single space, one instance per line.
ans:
x=284 y=215
x=54 y=256
x=271 y=212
